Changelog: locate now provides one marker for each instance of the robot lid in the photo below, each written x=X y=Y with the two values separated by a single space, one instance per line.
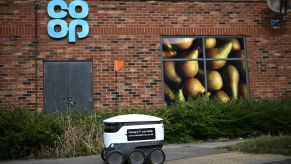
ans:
x=132 y=118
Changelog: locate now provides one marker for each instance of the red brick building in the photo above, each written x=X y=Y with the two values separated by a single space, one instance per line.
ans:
x=132 y=31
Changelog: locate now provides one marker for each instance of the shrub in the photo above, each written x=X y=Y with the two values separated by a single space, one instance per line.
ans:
x=205 y=119
x=22 y=133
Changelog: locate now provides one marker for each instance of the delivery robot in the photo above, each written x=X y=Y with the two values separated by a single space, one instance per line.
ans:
x=133 y=138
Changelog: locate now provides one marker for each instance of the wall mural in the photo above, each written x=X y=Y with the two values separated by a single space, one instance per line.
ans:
x=210 y=66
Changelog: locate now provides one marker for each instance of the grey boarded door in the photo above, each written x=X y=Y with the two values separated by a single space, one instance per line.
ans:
x=67 y=86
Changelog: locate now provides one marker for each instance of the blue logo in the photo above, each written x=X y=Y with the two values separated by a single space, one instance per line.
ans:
x=76 y=21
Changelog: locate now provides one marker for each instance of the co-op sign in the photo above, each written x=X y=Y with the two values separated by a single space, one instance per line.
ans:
x=68 y=28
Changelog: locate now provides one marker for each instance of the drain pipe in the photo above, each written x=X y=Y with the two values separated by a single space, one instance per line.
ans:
x=36 y=6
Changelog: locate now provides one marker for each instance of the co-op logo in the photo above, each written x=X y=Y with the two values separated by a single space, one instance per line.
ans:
x=58 y=10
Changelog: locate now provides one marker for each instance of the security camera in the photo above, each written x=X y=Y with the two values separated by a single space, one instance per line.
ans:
x=133 y=138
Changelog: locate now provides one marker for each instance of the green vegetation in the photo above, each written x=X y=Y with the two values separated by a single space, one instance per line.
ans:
x=265 y=145
x=205 y=119
x=25 y=134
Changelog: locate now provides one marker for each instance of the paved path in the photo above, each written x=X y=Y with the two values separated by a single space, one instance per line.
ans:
x=235 y=158
x=201 y=153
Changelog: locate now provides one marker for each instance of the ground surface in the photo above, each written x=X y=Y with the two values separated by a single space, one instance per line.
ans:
x=203 y=153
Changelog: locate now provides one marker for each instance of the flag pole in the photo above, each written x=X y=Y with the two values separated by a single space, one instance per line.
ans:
x=116 y=91
x=118 y=64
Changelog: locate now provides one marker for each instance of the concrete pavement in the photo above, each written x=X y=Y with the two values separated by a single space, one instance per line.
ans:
x=201 y=153
x=234 y=158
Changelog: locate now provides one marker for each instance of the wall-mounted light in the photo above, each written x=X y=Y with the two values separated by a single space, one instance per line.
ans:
x=283 y=7
x=275 y=23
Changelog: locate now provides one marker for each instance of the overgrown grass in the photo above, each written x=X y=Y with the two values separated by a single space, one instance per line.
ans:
x=265 y=145
x=25 y=134
x=82 y=136
x=33 y=135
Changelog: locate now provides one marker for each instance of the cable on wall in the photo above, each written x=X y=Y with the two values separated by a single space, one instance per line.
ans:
x=36 y=42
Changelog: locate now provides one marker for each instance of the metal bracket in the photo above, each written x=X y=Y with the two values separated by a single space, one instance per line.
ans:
x=36 y=4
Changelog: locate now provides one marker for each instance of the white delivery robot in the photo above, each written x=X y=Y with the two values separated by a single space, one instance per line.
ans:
x=133 y=138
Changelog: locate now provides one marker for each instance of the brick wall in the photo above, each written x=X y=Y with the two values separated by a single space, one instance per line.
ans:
x=131 y=30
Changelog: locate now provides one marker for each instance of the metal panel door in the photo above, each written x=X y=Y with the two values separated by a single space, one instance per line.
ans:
x=80 y=85
x=67 y=86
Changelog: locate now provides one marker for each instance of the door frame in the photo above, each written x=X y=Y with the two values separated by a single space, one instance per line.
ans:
x=73 y=60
